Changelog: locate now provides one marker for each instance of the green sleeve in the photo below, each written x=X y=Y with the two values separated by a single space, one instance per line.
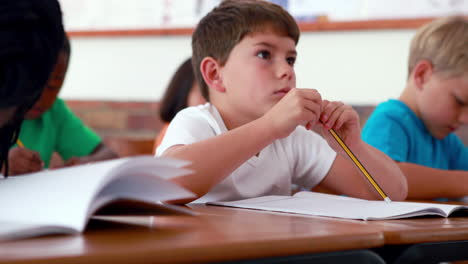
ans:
x=74 y=138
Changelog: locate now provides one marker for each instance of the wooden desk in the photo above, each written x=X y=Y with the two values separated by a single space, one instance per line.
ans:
x=217 y=234
x=424 y=240
x=423 y=230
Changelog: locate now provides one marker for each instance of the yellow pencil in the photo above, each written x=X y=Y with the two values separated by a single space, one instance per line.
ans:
x=359 y=165
x=19 y=143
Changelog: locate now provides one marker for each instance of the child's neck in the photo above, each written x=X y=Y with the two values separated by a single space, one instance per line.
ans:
x=408 y=97
x=231 y=119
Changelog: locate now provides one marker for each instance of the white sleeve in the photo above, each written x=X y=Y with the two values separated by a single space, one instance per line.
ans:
x=313 y=158
x=187 y=127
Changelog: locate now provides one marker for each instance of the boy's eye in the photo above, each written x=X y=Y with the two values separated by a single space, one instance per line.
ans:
x=264 y=54
x=291 y=60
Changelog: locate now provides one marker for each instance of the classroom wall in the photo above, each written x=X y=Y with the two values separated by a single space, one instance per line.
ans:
x=357 y=67
x=114 y=84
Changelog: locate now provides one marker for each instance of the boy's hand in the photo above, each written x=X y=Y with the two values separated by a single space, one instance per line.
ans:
x=23 y=160
x=344 y=120
x=73 y=161
x=297 y=107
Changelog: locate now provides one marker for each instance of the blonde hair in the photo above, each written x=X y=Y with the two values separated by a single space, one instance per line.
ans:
x=443 y=42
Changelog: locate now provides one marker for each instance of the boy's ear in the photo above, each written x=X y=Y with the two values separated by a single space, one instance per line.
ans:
x=210 y=69
x=422 y=72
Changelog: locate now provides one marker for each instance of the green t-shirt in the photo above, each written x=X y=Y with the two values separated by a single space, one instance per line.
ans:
x=58 y=130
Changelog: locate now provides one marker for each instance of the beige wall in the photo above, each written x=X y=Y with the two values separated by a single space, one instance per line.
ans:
x=357 y=67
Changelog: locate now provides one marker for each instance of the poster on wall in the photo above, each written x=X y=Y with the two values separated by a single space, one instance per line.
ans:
x=378 y=9
x=86 y=15
x=83 y=15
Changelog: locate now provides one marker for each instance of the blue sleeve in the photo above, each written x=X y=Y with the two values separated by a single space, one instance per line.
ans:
x=459 y=157
x=387 y=135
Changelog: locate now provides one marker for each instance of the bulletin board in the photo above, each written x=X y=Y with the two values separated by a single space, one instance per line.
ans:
x=97 y=17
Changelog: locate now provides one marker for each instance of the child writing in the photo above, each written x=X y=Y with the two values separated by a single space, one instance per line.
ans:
x=417 y=129
x=253 y=138
x=50 y=126
x=182 y=91
x=30 y=39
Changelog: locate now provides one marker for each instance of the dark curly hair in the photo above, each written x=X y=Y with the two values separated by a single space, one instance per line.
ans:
x=31 y=37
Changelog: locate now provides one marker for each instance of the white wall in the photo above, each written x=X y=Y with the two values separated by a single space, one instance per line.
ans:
x=356 y=67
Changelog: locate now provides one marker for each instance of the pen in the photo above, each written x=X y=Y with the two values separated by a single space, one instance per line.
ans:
x=19 y=143
x=359 y=165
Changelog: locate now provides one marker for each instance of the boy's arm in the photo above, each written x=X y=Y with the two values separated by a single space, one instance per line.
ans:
x=101 y=152
x=345 y=178
x=429 y=183
x=216 y=158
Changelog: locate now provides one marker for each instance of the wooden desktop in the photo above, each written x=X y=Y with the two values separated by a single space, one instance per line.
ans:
x=222 y=234
x=217 y=234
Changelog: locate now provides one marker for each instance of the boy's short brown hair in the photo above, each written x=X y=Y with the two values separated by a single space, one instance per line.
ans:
x=226 y=25
x=444 y=42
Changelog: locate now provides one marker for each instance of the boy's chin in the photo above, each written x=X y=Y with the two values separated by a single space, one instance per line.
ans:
x=441 y=134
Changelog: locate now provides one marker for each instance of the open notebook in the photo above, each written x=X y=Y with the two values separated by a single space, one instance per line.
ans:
x=63 y=200
x=320 y=204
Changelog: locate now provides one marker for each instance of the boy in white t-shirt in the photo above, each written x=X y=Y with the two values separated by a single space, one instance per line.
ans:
x=253 y=138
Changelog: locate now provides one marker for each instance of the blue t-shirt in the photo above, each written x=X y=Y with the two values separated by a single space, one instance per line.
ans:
x=396 y=130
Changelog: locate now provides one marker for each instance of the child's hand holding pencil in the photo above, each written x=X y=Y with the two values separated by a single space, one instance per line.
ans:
x=344 y=120
x=337 y=116
x=22 y=160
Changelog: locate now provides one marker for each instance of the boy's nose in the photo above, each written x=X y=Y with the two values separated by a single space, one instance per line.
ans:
x=285 y=71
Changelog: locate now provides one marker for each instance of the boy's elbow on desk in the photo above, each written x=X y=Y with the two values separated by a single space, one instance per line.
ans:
x=402 y=192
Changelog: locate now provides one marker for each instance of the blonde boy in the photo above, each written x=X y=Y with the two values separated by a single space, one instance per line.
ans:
x=254 y=137
x=417 y=129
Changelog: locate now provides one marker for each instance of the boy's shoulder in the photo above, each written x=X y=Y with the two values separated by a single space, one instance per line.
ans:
x=203 y=109
x=59 y=105
x=191 y=125
x=390 y=117
x=393 y=107
x=59 y=110
x=207 y=112
x=396 y=111
x=53 y=114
